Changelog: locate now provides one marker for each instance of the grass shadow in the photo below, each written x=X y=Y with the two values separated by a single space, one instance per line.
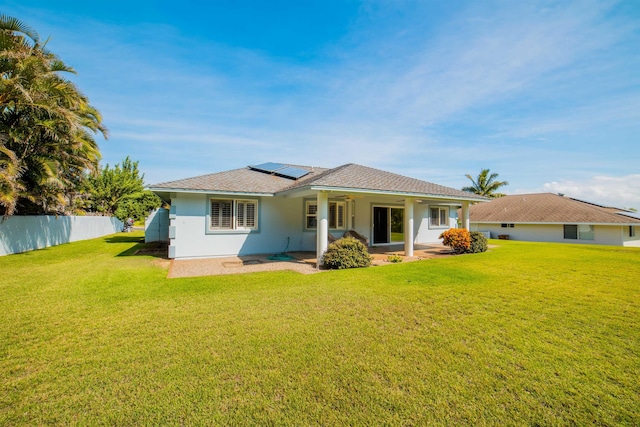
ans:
x=154 y=249
x=124 y=239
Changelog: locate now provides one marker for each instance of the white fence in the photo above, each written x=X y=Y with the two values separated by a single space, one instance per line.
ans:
x=26 y=233
x=156 y=227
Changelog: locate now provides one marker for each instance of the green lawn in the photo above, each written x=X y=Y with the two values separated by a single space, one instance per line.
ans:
x=526 y=334
x=397 y=237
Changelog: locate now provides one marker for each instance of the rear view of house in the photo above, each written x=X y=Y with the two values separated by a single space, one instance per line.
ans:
x=547 y=217
x=272 y=206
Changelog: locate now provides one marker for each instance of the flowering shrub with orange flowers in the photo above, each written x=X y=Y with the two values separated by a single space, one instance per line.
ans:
x=458 y=239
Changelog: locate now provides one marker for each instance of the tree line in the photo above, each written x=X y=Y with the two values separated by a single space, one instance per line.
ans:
x=49 y=157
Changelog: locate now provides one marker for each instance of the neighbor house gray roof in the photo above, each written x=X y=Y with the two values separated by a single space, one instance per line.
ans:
x=547 y=208
x=347 y=177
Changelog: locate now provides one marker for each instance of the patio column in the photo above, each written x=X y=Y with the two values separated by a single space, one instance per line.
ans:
x=408 y=227
x=322 y=225
x=350 y=214
x=465 y=215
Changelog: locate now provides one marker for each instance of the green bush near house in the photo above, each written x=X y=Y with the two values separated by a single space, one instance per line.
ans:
x=346 y=252
x=394 y=258
x=479 y=243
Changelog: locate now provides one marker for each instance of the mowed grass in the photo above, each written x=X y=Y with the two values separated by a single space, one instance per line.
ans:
x=526 y=334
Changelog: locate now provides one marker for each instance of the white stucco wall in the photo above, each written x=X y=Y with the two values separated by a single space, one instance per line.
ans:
x=426 y=233
x=190 y=237
x=603 y=234
x=156 y=226
x=423 y=233
x=631 y=241
x=26 y=233
x=279 y=219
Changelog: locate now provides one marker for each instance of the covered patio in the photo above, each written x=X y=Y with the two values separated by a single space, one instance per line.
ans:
x=408 y=247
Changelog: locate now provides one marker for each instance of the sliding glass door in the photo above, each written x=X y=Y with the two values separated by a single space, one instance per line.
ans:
x=388 y=225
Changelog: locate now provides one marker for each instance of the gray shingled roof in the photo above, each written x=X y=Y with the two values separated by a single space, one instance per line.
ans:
x=358 y=177
x=349 y=176
x=546 y=208
x=244 y=180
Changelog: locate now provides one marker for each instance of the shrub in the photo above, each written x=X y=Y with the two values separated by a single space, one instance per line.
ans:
x=346 y=253
x=394 y=258
x=458 y=239
x=478 y=243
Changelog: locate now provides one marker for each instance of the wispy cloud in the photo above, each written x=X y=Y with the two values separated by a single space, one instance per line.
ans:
x=621 y=192
x=534 y=90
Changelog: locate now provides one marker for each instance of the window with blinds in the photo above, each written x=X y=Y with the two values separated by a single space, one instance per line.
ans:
x=439 y=217
x=337 y=215
x=234 y=215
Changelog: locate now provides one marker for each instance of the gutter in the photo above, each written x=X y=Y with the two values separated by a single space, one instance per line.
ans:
x=224 y=193
x=382 y=193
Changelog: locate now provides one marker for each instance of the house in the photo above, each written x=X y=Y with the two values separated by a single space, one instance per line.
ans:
x=547 y=217
x=271 y=207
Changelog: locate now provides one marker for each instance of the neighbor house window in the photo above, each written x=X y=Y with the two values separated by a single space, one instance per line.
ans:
x=507 y=225
x=439 y=217
x=632 y=231
x=579 y=232
x=337 y=215
x=234 y=215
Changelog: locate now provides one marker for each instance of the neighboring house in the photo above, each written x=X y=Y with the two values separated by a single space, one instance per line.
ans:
x=547 y=217
x=269 y=207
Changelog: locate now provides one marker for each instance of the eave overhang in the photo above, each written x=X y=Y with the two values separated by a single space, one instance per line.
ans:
x=163 y=190
x=307 y=190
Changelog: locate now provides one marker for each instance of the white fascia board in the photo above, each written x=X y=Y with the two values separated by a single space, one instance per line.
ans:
x=222 y=193
x=380 y=193
x=441 y=203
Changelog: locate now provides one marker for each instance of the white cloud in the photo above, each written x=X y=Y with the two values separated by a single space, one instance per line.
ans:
x=480 y=58
x=429 y=95
x=621 y=192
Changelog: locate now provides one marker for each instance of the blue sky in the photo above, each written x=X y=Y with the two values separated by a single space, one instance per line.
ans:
x=545 y=93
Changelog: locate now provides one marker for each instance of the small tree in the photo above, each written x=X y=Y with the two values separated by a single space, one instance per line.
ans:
x=458 y=239
x=120 y=191
x=137 y=206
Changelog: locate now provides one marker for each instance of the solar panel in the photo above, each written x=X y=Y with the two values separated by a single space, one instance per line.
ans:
x=281 y=170
x=291 y=172
x=635 y=215
x=269 y=167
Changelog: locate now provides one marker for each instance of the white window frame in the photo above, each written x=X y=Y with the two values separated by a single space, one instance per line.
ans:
x=443 y=213
x=311 y=215
x=337 y=215
x=243 y=215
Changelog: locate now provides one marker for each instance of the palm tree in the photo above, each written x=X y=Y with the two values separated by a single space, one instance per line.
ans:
x=485 y=184
x=47 y=125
